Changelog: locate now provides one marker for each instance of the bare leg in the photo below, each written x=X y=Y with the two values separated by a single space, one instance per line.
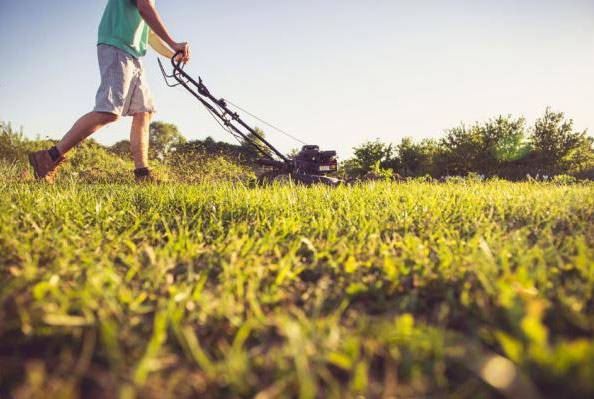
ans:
x=139 y=138
x=83 y=128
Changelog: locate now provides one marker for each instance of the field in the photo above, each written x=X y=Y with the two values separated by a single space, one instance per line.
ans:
x=383 y=290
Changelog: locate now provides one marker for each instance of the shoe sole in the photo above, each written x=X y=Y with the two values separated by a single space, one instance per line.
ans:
x=34 y=165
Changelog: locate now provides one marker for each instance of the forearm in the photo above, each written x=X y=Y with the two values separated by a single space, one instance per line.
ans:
x=153 y=20
x=160 y=46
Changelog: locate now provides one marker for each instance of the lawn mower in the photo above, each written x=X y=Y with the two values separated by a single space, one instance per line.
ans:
x=310 y=166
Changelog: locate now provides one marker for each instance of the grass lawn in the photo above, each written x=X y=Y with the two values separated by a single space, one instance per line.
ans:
x=461 y=290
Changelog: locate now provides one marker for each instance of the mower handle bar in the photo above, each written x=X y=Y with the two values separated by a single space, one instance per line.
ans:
x=202 y=94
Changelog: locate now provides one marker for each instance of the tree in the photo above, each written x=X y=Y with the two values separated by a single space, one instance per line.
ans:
x=552 y=140
x=505 y=139
x=580 y=158
x=417 y=159
x=367 y=156
x=164 y=138
x=485 y=148
x=461 y=150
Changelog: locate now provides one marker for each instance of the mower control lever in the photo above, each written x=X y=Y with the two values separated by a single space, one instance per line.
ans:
x=219 y=109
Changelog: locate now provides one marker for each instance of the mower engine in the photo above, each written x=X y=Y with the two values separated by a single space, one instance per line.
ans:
x=311 y=161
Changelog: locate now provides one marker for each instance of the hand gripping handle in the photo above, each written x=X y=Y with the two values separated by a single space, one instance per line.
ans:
x=177 y=60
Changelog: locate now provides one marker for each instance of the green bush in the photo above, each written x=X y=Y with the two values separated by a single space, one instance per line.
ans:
x=91 y=162
x=501 y=147
x=201 y=168
x=14 y=146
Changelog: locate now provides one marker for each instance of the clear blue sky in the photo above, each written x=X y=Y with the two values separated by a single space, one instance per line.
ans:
x=333 y=72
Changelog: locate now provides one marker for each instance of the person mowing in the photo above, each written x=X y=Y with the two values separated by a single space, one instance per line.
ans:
x=125 y=31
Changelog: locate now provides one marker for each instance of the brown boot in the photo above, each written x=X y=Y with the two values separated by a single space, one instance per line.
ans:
x=44 y=167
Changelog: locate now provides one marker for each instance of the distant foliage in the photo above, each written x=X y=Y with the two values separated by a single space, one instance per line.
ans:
x=200 y=168
x=554 y=142
x=209 y=147
x=253 y=138
x=93 y=163
x=502 y=147
x=367 y=156
x=9 y=141
x=121 y=148
x=13 y=144
x=173 y=158
x=164 y=139
x=488 y=148
x=417 y=159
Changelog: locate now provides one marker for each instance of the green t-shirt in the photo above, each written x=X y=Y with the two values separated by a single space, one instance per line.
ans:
x=123 y=27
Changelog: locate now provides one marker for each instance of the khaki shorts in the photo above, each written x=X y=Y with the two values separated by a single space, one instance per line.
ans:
x=123 y=90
